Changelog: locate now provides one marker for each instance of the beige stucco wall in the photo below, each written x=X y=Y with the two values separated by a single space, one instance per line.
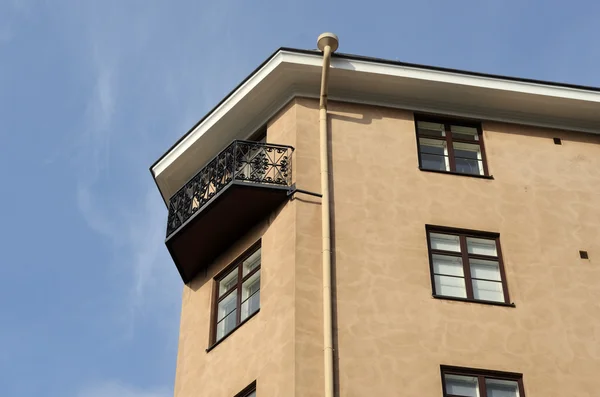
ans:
x=545 y=203
x=262 y=349
x=392 y=335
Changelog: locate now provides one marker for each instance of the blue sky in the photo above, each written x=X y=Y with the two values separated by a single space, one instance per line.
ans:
x=92 y=92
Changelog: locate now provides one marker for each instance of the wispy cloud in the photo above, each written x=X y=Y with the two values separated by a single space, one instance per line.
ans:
x=136 y=234
x=121 y=54
x=130 y=218
x=121 y=204
x=116 y=389
x=137 y=93
x=100 y=111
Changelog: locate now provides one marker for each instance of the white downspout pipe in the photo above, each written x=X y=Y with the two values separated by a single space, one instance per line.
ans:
x=328 y=43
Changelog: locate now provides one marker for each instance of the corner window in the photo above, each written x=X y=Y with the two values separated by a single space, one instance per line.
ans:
x=237 y=293
x=466 y=382
x=466 y=265
x=450 y=146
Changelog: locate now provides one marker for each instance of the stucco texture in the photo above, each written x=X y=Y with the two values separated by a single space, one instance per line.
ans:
x=544 y=201
x=391 y=335
x=262 y=349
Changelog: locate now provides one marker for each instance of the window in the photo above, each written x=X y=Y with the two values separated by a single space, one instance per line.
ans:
x=467 y=382
x=237 y=293
x=451 y=146
x=467 y=265
x=259 y=136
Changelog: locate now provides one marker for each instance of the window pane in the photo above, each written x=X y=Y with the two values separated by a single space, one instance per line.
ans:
x=251 y=295
x=487 y=270
x=433 y=146
x=481 y=246
x=501 y=388
x=432 y=162
x=488 y=290
x=445 y=242
x=467 y=150
x=253 y=394
x=462 y=385
x=227 y=305
x=448 y=265
x=465 y=133
x=431 y=129
x=468 y=158
x=226 y=325
x=226 y=315
x=228 y=282
x=252 y=262
x=471 y=167
x=434 y=154
x=450 y=286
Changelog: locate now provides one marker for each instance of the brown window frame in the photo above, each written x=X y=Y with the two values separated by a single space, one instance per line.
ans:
x=465 y=256
x=449 y=139
x=237 y=263
x=251 y=388
x=481 y=375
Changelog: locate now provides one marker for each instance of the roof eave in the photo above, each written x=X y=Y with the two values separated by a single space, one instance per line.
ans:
x=297 y=75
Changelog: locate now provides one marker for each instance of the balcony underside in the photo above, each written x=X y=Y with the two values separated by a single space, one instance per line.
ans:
x=218 y=224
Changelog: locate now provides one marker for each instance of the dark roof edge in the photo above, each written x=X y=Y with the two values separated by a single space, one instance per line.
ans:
x=375 y=60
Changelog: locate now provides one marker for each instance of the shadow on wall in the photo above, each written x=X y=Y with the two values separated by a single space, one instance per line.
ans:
x=540 y=132
x=360 y=118
x=231 y=253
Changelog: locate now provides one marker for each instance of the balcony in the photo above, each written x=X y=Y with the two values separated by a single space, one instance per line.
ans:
x=233 y=192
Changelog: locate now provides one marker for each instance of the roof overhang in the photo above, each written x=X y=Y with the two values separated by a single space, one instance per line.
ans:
x=290 y=73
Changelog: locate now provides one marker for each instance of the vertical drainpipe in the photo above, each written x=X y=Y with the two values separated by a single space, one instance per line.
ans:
x=328 y=43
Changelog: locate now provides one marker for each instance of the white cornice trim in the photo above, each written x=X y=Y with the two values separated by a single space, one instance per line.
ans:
x=379 y=68
x=217 y=113
x=441 y=76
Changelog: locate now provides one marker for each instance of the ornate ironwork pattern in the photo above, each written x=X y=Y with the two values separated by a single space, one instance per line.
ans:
x=242 y=161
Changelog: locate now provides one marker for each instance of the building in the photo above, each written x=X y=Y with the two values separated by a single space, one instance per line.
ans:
x=465 y=224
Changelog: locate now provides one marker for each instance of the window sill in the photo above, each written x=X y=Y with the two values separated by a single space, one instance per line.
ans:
x=492 y=303
x=457 y=173
x=232 y=331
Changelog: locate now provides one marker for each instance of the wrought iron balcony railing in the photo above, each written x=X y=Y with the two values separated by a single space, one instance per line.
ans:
x=242 y=162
